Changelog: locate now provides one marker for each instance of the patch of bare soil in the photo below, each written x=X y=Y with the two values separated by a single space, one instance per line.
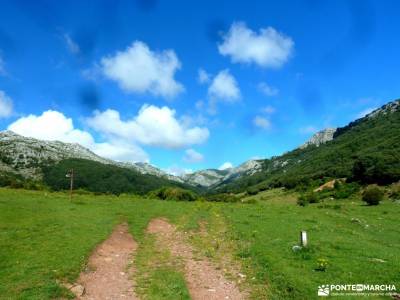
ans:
x=203 y=279
x=110 y=269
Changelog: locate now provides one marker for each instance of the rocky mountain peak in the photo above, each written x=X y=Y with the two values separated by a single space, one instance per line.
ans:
x=210 y=177
x=390 y=107
x=321 y=137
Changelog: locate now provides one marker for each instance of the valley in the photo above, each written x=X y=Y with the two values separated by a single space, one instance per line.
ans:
x=47 y=239
x=217 y=234
x=199 y=150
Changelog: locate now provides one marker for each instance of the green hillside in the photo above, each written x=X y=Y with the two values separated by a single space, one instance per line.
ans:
x=101 y=178
x=367 y=150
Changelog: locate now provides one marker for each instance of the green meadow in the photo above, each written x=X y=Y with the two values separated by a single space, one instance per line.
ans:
x=45 y=240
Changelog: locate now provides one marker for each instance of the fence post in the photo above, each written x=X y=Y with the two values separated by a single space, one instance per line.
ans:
x=303 y=238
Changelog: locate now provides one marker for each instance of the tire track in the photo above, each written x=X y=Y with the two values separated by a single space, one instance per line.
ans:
x=204 y=281
x=110 y=269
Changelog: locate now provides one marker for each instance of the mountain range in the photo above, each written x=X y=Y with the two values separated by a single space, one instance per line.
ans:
x=26 y=156
x=328 y=153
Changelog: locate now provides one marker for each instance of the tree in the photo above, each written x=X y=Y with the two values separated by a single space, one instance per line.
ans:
x=372 y=195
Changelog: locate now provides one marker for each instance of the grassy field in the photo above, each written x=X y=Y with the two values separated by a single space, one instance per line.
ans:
x=45 y=240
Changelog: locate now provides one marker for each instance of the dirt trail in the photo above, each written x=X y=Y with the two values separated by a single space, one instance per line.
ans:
x=110 y=269
x=203 y=279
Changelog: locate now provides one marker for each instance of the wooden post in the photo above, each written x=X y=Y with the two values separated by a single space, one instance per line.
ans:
x=303 y=238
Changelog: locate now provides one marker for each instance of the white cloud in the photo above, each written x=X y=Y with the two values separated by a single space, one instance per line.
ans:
x=269 y=110
x=193 y=120
x=267 y=90
x=365 y=112
x=71 y=45
x=154 y=126
x=6 y=105
x=224 y=87
x=225 y=165
x=192 y=156
x=178 y=171
x=141 y=70
x=121 y=151
x=53 y=125
x=261 y=122
x=308 y=129
x=268 y=48
x=203 y=76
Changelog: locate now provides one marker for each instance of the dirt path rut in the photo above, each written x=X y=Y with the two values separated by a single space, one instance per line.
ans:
x=203 y=279
x=110 y=268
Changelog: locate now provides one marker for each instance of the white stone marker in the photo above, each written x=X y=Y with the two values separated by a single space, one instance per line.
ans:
x=303 y=238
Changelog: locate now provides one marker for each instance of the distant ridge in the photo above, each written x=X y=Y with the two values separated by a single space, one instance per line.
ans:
x=334 y=153
x=25 y=155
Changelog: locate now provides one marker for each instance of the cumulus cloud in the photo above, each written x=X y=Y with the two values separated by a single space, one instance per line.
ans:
x=267 y=90
x=154 y=126
x=72 y=46
x=51 y=125
x=261 y=122
x=203 y=76
x=139 y=69
x=54 y=126
x=192 y=156
x=225 y=165
x=268 y=48
x=6 y=105
x=121 y=151
x=224 y=87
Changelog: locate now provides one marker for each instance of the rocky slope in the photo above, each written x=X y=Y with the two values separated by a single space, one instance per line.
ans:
x=24 y=155
x=205 y=178
x=329 y=134
x=390 y=107
x=319 y=138
x=212 y=177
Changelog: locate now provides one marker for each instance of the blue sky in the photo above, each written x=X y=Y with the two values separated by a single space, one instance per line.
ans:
x=123 y=77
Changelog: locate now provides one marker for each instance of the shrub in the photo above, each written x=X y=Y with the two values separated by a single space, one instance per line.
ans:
x=223 y=197
x=307 y=198
x=249 y=201
x=395 y=192
x=263 y=187
x=252 y=191
x=172 y=193
x=372 y=195
x=312 y=197
x=33 y=185
x=345 y=190
x=302 y=200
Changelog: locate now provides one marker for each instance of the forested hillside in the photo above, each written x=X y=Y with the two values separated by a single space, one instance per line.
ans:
x=367 y=150
x=101 y=178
